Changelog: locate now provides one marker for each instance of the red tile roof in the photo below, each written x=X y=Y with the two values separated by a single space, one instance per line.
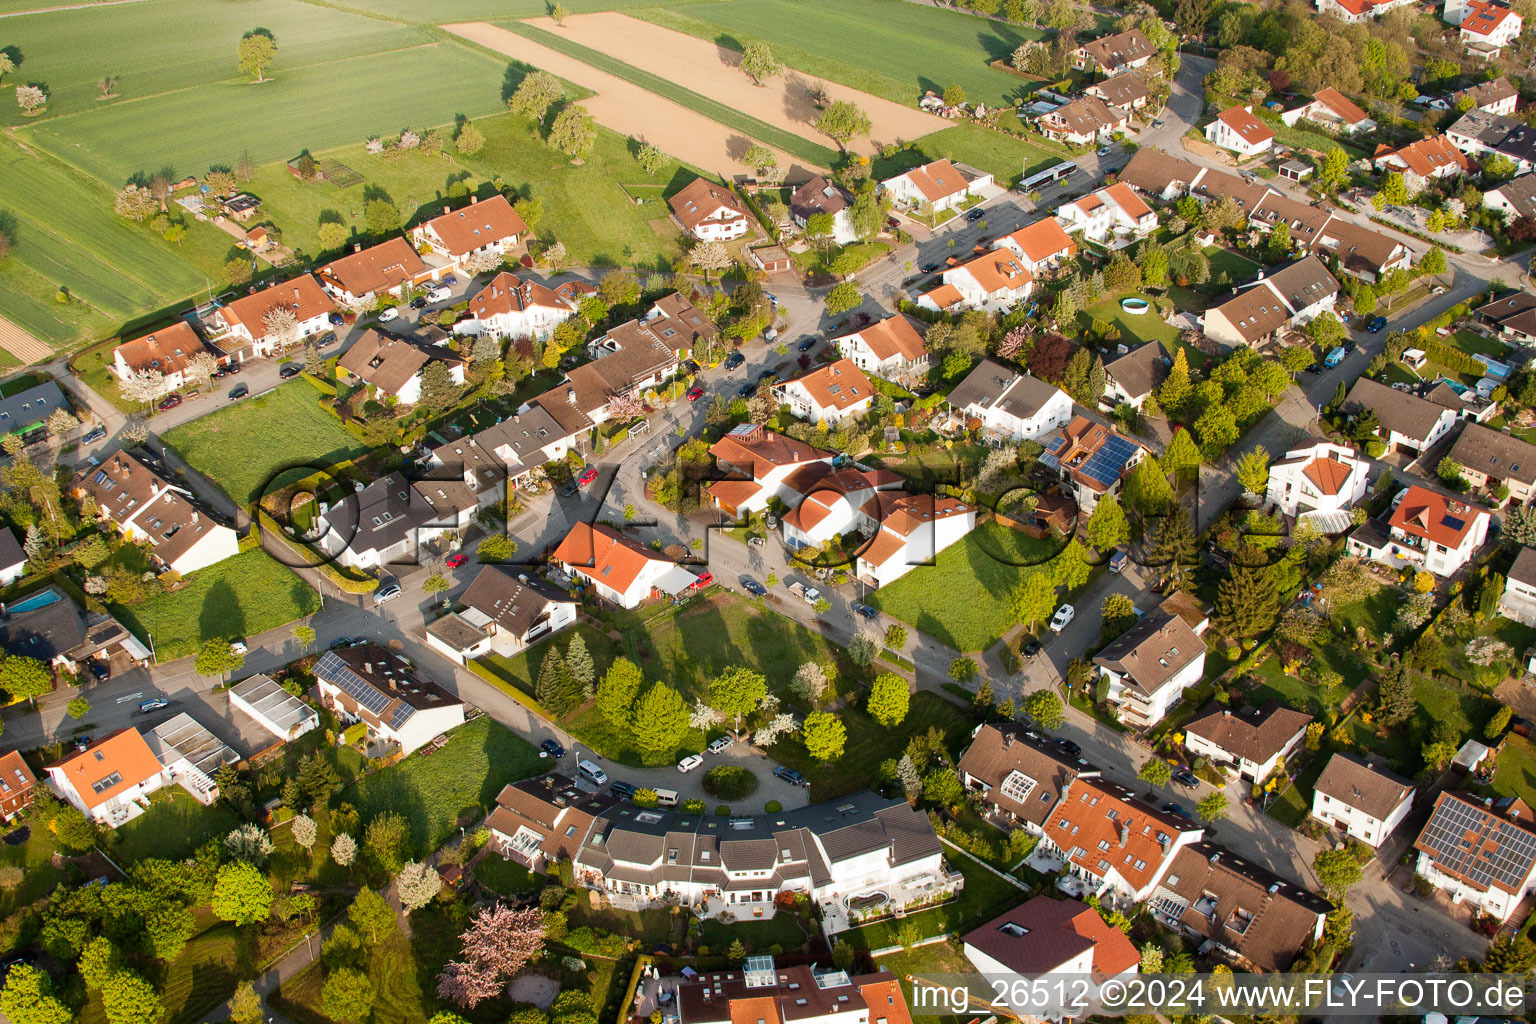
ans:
x=386 y=265
x=508 y=293
x=604 y=555
x=1328 y=473
x=1433 y=516
x=1250 y=128
x=166 y=350
x=1484 y=18
x=938 y=180
x=1340 y=105
x=303 y=295
x=1103 y=827
x=1043 y=239
x=1044 y=933
x=700 y=200
x=840 y=385
x=123 y=754
x=893 y=336
x=478 y=224
x=1427 y=156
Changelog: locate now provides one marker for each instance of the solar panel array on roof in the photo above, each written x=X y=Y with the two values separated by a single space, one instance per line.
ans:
x=1459 y=836
x=333 y=670
x=1106 y=464
x=401 y=714
x=1452 y=523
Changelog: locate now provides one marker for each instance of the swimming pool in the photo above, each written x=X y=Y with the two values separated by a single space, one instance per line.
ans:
x=36 y=601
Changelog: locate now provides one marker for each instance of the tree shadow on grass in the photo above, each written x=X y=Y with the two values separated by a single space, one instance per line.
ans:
x=221 y=615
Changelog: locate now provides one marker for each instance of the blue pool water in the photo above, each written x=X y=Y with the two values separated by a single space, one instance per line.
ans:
x=35 y=602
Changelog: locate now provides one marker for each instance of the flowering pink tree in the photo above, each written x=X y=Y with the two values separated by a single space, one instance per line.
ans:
x=1013 y=342
x=625 y=407
x=497 y=944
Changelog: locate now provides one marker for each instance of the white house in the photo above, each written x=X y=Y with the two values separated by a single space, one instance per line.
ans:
x=381 y=689
x=994 y=281
x=1496 y=97
x=1519 y=599
x=1289 y=298
x=1007 y=403
x=514 y=307
x=387 y=521
x=914 y=528
x=1487 y=28
x=1479 y=851
x=1092 y=460
x=110 y=780
x=1149 y=666
x=886 y=348
x=1251 y=740
x=378 y=273
x=1113 y=216
x=1082 y=122
x=763 y=467
x=1237 y=130
x=1361 y=799
x=1331 y=109
x=1405 y=422
x=828 y=394
x=758 y=988
x=393 y=366
x=710 y=212
x=822 y=196
x=1515 y=198
x=13 y=559
x=1041 y=246
x=1117 y=845
x=619 y=569
x=504 y=612
x=182 y=535
x=1426 y=530
x=1318 y=482
x=490 y=228
x=941 y=184
x=1020 y=776
x=1354 y=12
x=273 y=708
x=1131 y=378
x=1438 y=156
x=1045 y=937
x=250 y=318
x=166 y=351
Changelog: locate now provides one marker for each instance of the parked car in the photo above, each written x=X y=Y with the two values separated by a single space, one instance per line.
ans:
x=689 y=763
x=290 y=371
x=552 y=748
x=335 y=319
x=1104 y=151
x=865 y=610
x=439 y=294
x=623 y=790
x=720 y=745
x=456 y=560
x=756 y=542
x=975 y=215
x=342 y=641
x=102 y=670
x=96 y=434
x=419 y=302
x=747 y=390
x=169 y=402
x=790 y=776
x=387 y=314
x=1186 y=778
x=1032 y=647
x=327 y=339
x=232 y=369
x=154 y=704
x=734 y=360
x=449 y=280
x=807 y=344
x=1172 y=808
x=704 y=579
x=386 y=593
x=569 y=490
x=238 y=392
x=238 y=647
x=1069 y=746
x=587 y=476
x=1376 y=324
x=694 y=393
x=1062 y=617
x=753 y=587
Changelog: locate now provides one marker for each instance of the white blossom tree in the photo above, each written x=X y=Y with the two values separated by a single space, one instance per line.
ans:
x=480 y=262
x=554 y=255
x=30 y=99
x=344 y=850
x=282 y=325
x=710 y=257
x=135 y=202
x=201 y=368
x=810 y=682
x=779 y=725
x=304 y=831
x=409 y=139
x=625 y=407
x=143 y=386
x=417 y=885
x=1486 y=650
x=249 y=843
x=702 y=716
x=375 y=145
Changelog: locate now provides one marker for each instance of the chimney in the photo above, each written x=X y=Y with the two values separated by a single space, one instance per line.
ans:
x=1226 y=713
x=473 y=200
x=357 y=246
x=1007 y=740
x=447 y=210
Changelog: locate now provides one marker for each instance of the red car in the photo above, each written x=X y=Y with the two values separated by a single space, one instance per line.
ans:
x=587 y=475
x=169 y=402
x=704 y=580
x=694 y=393
x=454 y=561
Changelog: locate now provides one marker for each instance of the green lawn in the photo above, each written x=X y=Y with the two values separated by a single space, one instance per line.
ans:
x=204 y=976
x=984 y=567
x=1135 y=328
x=1237 y=267
x=1516 y=775
x=1438 y=701
x=1473 y=343
x=173 y=827
x=985 y=896
x=399 y=996
x=782 y=929
x=244 y=446
x=238 y=597
x=936 y=963
x=1007 y=159
x=460 y=781
x=35 y=858
x=506 y=876
x=1295 y=693
x=902 y=49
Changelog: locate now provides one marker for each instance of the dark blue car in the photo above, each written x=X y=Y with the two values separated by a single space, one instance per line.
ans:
x=552 y=748
x=1376 y=324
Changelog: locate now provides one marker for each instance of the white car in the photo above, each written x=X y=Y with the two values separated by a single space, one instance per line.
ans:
x=387 y=314
x=689 y=763
x=238 y=647
x=1062 y=617
x=438 y=294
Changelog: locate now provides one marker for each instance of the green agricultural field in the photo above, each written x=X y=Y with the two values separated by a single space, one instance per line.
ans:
x=985 y=567
x=433 y=792
x=903 y=49
x=67 y=236
x=243 y=446
x=446 y=11
x=240 y=596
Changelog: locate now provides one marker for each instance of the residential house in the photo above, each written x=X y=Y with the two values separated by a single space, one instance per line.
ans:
x=190 y=755
x=387 y=521
x=888 y=348
x=1354 y=12
x=621 y=570
x=1020 y=778
x=394 y=366
x=166 y=351
x=1480 y=134
x=1518 y=601
x=1479 y=851
x=1161 y=175
x=1110 y=55
x=1515 y=198
x=1263 y=308
x=1361 y=799
x=1254 y=741
x=1041 y=246
x=1361 y=252
x=1113 y=216
x=259 y=320
x=1251 y=917
x=483 y=229
x=1513 y=315
x=544 y=820
x=1127 y=91
x=1427 y=530
x=381 y=689
x=1320 y=482
x=1195 y=612
x=1214 y=184
x=24 y=414
x=828 y=394
x=1149 y=666
x=133 y=495
x=822 y=196
x=1045 y=937
x=1486 y=27
x=1474 y=403
x=940 y=184
x=504 y=455
x=284 y=716
x=710 y=212
x=1303 y=222
x=1496 y=97
x=1491 y=458
x=505 y=611
x=13 y=559
x=50 y=627
x=1332 y=110
x=1091 y=459
x=1004 y=402
x=242 y=207
x=1118 y=845
x=111 y=779
x=1405 y=422
x=914 y=528
x=1434 y=157
x=18 y=786
x=384 y=271
x=516 y=307
x=994 y=281
x=858 y=845
x=790 y=993
x=1236 y=129
x=764 y=467
x=1131 y=377
x=1084 y=121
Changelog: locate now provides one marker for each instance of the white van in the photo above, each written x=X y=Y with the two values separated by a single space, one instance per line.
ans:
x=595 y=774
x=666 y=798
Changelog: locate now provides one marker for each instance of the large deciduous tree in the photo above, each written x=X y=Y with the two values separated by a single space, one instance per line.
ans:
x=535 y=94
x=888 y=699
x=574 y=133
x=824 y=736
x=256 y=52
x=661 y=721
x=498 y=943
x=842 y=121
x=241 y=894
x=758 y=63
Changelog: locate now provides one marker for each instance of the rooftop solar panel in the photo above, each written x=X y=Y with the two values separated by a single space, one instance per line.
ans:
x=332 y=669
x=401 y=714
x=1478 y=845
x=1109 y=461
x=1452 y=522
